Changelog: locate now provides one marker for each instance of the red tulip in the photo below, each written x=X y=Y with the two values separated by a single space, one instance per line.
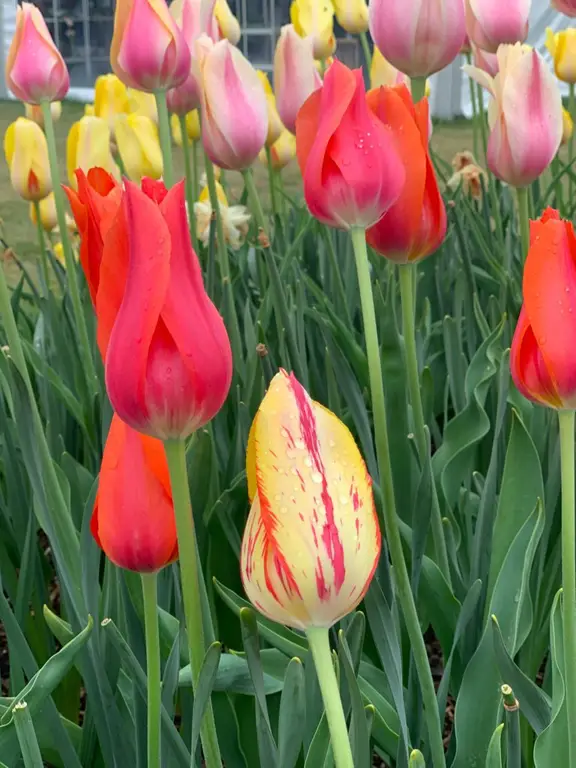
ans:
x=415 y=225
x=352 y=172
x=169 y=364
x=543 y=355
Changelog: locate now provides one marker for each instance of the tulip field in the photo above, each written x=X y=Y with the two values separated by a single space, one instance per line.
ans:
x=287 y=395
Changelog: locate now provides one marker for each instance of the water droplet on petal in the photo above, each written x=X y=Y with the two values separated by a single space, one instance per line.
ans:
x=316 y=477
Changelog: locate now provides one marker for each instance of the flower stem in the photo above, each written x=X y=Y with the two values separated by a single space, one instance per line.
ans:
x=165 y=137
x=405 y=596
x=366 y=50
x=189 y=568
x=42 y=246
x=572 y=110
x=71 y=273
x=474 y=103
x=566 y=420
x=272 y=182
x=189 y=181
x=482 y=121
x=513 y=743
x=150 y=595
x=407 y=282
x=524 y=218
x=418 y=87
x=320 y=647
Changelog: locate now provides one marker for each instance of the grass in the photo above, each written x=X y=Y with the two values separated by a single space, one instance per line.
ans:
x=19 y=233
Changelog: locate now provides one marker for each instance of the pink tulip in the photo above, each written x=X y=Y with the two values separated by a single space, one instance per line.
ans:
x=233 y=103
x=295 y=74
x=525 y=115
x=419 y=37
x=487 y=62
x=148 y=50
x=565 y=6
x=490 y=23
x=35 y=69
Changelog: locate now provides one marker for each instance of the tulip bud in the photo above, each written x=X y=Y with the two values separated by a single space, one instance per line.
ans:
x=110 y=99
x=140 y=103
x=542 y=359
x=352 y=15
x=491 y=23
x=88 y=146
x=228 y=25
x=26 y=153
x=139 y=147
x=235 y=218
x=168 y=364
x=312 y=540
x=282 y=152
x=419 y=37
x=567 y=7
x=48 y=217
x=192 y=127
x=562 y=47
x=351 y=170
x=315 y=19
x=275 y=126
x=148 y=50
x=383 y=73
x=567 y=127
x=415 y=226
x=525 y=115
x=487 y=62
x=295 y=75
x=35 y=69
x=234 y=109
x=34 y=112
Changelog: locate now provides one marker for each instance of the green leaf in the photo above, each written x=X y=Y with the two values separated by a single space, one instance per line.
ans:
x=359 y=732
x=291 y=721
x=204 y=690
x=416 y=759
x=26 y=736
x=494 y=755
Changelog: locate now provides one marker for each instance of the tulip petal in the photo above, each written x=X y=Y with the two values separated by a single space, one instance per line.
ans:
x=528 y=368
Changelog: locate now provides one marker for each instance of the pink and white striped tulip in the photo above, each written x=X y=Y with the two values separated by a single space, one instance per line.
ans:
x=419 y=37
x=491 y=23
x=487 y=62
x=233 y=103
x=295 y=74
x=35 y=69
x=525 y=115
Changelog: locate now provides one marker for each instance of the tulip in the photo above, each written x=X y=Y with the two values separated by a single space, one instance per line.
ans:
x=89 y=110
x=235 y=218
x=282 y=152
x=312 y=540
x=487 y=62
x=139 y=146
x=562 y=47
x=110 y=99
x=88 y=146
x=26 y=153
x=295 y=75
x=525 y=115
x=275 y=126
x=383 y=73
x=542 y=357
x=419 y=37
x=352 y=15
x=315 y=19
x=415 y=226
x=234 y=108
x=169 y=364
x=567 y=127
x=352 y=173
x=567 y=7
x=491 y=23
x=192 y=127
x=148 y=50
x=35 y=69
x=133 y=518
x=228 y=25
x=34 y=112
x=48 y=216
x=471 y=178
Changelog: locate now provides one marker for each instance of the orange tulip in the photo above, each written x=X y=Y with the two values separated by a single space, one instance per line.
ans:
x=542 y=358
x=312 y=540
x=415 y=225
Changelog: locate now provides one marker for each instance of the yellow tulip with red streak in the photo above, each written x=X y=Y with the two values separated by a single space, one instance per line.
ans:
x=26 y=153
x=88 y=146
x=312 y=540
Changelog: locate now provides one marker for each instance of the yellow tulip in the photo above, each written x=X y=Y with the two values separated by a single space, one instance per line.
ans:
x=315 y=19
x=140 y=103
x=48 y=217
x=192 y=127
x=88 y=146
x=384 y=73
x=110 y=99
x=235 y=218
x=139 y=146
x=567 y=126
x=26 y=153
x=562 y=47
x=282 y=152
x=312 y=540
x=275 y=126
x=352 y=15
x=89 y=110
x=227 y=23
x=34 y=112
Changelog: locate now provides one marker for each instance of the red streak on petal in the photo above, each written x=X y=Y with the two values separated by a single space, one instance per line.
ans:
x=314 y=536
x=301 y=516
x=356 y=500
x=302 y=483
x=322 y=588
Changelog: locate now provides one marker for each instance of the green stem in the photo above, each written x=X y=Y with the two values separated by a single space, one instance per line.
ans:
x=150 y=596
x=405 y=596
x=513 y=743
x=566 y=420
x=556 y=171
x=482 y=121
x=271 y=181
x=320 y=646
x=189 y=568
x=189 y=181
x=71 y=273
x=254 y=197
x=366 y=50
x=31 y=755
x=42 y=245
x=327 y=234
x=407 y=290
x=418 y=86
x=195 y=174
x=165 y=137
x=524 y=219
x=572 y=110
x=474 y=103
